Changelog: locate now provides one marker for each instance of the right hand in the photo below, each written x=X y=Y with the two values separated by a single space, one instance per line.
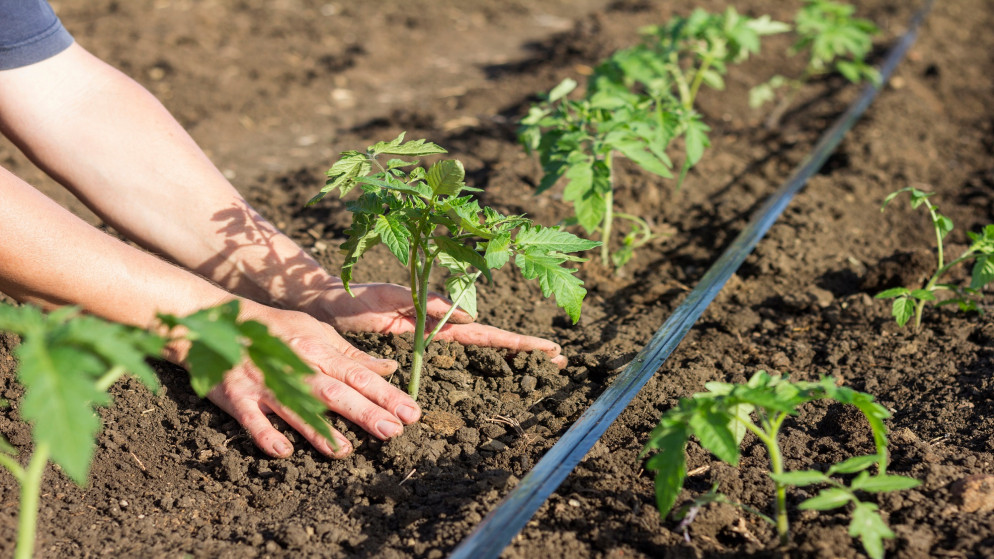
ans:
x=348 y=381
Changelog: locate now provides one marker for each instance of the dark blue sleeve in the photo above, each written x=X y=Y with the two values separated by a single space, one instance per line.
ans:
x=29 y=32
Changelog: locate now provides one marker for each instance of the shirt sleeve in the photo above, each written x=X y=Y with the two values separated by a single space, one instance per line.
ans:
x=29 y=32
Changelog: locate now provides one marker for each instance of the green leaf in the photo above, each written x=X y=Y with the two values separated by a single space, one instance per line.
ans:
x=463 y=253
x=893 y=292
x=588 y=204
x=498 y=251
x=116 y=345
x=870 y=528
x=670 y=466
x=983 y=272
x=637 y=152
x=462 y=289
x=562 y=90
x=343 y=174
x=854 y=464
x=903 y=309
x=284 y=374
x=882 y=483
x=800 y=478
x=923 y=295
x=549 y=239
x=60 y=393
x=553 y=279
x=394 y=233
x=361 y=237
x=696 y=139
x=827 y=499
x=397 y=146
x=446 y=177
x=215 y=344
x=711 y=428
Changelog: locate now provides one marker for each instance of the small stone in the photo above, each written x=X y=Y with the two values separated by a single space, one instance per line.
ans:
x=574 y=503
x=528 y=383
x=974 y=493
x=443 y=361
x=494 y=445
x=441 y=422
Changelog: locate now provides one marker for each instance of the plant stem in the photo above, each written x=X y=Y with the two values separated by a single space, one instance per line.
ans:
x=110 y=377
x=940 y=269
x=698 y=80
x=30 y=493
x=608 y=215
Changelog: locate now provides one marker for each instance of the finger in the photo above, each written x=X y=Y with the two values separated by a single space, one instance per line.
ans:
x=482 y=335
x=248 y=412
x=382 y=367
x=438 y=306
x=340 y=447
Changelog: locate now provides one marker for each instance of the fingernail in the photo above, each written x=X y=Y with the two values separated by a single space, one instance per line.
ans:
x=282 y=448
x=388 y=428
x=343 y=446
x=408 y=414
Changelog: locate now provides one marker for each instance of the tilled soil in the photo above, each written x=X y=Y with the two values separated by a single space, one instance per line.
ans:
x=273 y=90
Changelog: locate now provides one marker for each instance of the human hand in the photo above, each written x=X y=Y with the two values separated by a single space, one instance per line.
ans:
x=388 y=309
x=347 y=380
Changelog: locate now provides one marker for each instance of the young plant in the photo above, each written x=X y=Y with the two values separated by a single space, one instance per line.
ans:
x=425 y=215
x=910 y=302
x=834 y=40
x=67 y=361
x=637 y=103
x=720 y=419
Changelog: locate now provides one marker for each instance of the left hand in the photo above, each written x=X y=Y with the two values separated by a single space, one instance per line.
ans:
x=388 y=309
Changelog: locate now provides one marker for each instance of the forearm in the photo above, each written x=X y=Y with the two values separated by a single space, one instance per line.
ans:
x=50 y=257
x=118 y=149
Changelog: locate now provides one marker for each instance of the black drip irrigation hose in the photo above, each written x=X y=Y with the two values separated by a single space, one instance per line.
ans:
x=493 y=534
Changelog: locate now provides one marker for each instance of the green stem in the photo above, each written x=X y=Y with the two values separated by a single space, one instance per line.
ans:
x=448 y=313
x=776 y=466
x=698 y=80
x=110 y=377
x=420 y=295
x=608 y=215
x=12 y=466
x=30 y=493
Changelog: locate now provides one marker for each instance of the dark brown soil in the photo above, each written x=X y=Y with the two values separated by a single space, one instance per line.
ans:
x=273 y=90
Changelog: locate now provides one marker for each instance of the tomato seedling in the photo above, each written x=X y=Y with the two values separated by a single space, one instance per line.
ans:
x=835 y=40
x=720 y=419
x=67 y=361
x=637 y=102
x=425 y=215
x=910 y=302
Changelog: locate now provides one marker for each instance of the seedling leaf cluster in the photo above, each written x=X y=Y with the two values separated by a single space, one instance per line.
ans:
x=428 y=215
x=910 y=301
x=638 y=103
x=720 y=419
x=834 y=40
x=67 y=361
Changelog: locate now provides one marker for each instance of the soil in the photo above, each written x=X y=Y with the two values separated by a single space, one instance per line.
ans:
x=274 y=90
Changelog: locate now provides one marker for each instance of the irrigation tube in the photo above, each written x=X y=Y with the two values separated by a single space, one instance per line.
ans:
x=493 y=534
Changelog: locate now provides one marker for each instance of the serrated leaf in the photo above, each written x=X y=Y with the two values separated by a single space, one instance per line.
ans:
x=498 y=251
x=361 y=237
x=670 y=466
x=446 y=177
x=60 y=393
x=903 y=309
x=711 y=428
x=870 y=528
x=215 y=344
x=554 y=280
x=284 y=374
x=923 y=294
x=343 y=174
x=462 y=290
x=395 y=235
x=117 y=345
x=800 y=478
x=827 y=499
x=463 y=253
x=550 y=239
x=637 y=152
x=588 y=204
x=414 y=148
x=983 y=272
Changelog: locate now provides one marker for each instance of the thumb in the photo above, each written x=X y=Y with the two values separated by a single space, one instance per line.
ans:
x=438 y=306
